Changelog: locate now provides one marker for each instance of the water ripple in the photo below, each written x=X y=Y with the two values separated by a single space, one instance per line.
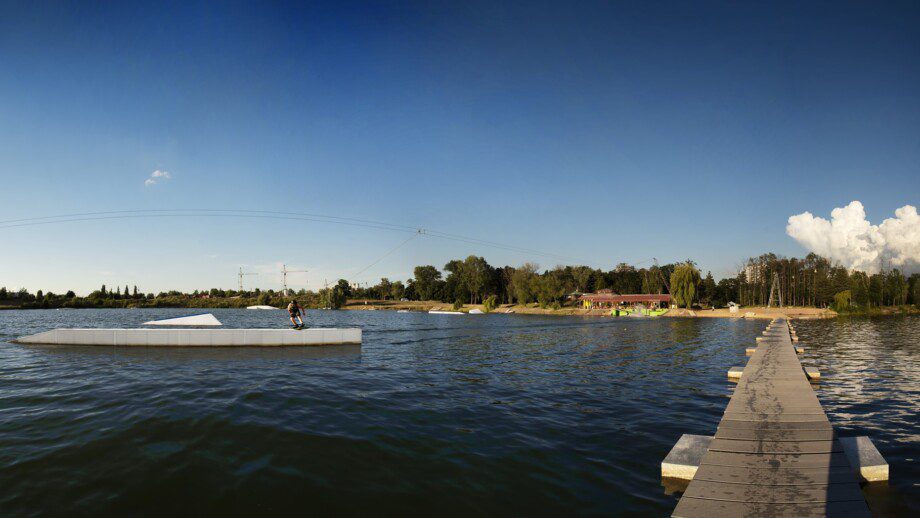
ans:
x=434 y=414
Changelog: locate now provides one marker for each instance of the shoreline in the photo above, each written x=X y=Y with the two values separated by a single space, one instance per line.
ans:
x=800 y=313
x=754 y=312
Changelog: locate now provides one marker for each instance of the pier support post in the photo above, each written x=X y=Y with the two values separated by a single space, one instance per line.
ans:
x=812 y=373
x=685 y=457
x=865 y=459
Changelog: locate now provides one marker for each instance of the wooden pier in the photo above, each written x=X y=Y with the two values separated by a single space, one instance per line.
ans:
x=774 y=452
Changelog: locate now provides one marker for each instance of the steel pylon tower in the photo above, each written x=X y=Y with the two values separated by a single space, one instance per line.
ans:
x=284 y=272
x=241 y=274
x=775 y=287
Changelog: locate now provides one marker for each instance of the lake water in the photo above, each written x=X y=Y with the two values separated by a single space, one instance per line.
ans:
x=452 y=415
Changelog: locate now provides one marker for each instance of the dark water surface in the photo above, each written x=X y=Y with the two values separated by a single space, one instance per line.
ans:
x=434 y=414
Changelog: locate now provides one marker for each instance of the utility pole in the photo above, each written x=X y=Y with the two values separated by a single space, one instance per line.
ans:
x=284 y=272
x=241 y=274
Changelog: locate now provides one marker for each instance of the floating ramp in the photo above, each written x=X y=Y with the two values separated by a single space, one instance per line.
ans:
x=195 y=337
x=206 y=319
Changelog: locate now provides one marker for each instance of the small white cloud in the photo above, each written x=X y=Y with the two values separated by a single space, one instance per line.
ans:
x=157 y=176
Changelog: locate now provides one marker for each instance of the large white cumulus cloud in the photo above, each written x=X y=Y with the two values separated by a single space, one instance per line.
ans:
x=850 y=239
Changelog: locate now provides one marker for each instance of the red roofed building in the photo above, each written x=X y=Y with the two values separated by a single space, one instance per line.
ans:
x=605 y=300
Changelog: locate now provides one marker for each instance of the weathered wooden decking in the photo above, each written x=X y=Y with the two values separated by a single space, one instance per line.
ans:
x=774 y=453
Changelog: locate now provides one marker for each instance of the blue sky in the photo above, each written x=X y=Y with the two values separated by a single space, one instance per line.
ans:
x=603 y=132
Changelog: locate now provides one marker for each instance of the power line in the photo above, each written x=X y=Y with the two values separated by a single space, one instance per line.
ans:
x=264 y=214
x=419 y=232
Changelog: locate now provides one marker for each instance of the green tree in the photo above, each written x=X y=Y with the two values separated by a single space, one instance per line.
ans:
x=859 y=289
x=384 y=288
x=684 y=282
x=708 y=289
x=582 y=276
x=896 y=288
x=475 y=273
x=490 y=303
x=455 y=286
x=425 y=282
x=506 y=275
x=651 y=280
x=549 y=290
x=877 y=289
x=344 y=289
x=523 y=282
x=398 y=290
x=842 y=300
x=914 y=283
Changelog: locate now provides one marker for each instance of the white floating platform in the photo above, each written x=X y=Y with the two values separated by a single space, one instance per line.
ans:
x=261 y=307
x=195 y=337
x=435 y=312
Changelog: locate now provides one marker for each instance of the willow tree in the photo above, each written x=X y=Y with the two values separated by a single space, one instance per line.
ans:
x=684 y=281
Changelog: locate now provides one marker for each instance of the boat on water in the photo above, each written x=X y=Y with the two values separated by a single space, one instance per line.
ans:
x=261 y=307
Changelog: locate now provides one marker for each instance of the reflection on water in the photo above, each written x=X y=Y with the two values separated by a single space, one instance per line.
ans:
x=870 y=385
x=182 y=354
x=674 y=486
x=434 y=414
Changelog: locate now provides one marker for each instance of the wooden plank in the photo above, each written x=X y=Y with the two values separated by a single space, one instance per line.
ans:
x=764 y=409
x=773 y=425
x=774 y=388
x=748 y=399
x=746 y=393
x=699 y=507
x=775 y=435
x=774 y=418
x=759 y=390
x=774 y=476
x=742 y=404
x=845 y=492
x=740 y=446
x=772 y=460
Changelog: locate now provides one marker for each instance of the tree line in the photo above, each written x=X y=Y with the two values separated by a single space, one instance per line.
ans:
x=816 y=281
x=812 y=281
